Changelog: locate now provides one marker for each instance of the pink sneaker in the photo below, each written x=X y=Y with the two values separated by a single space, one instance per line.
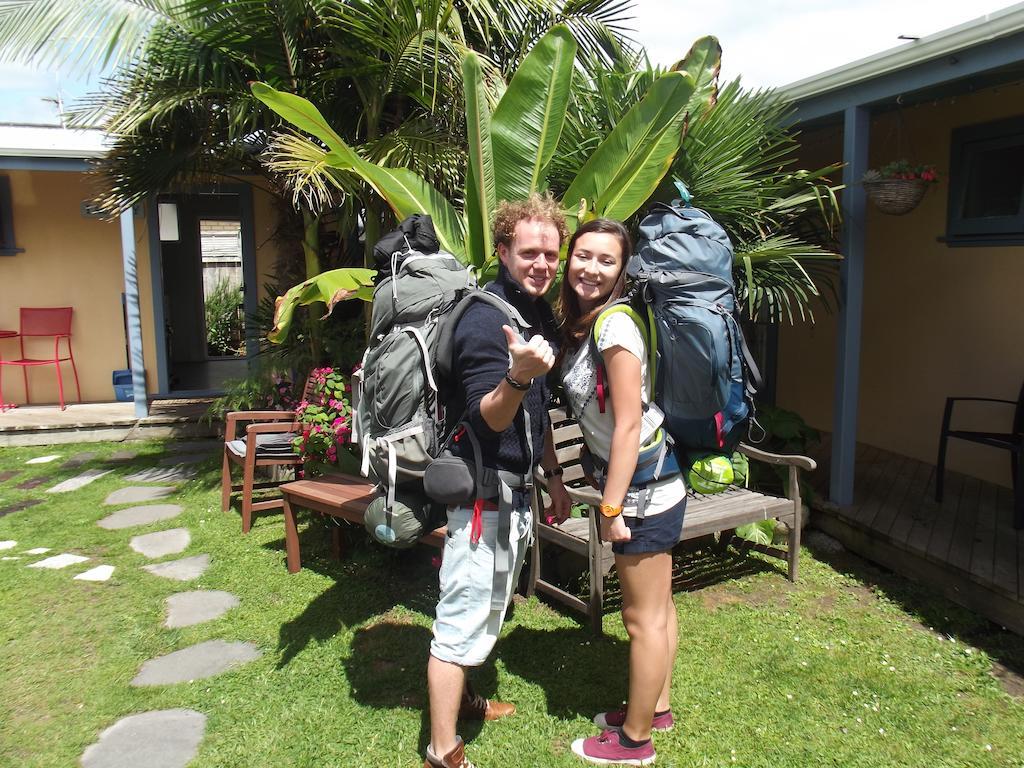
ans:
x=606 y=750
x=616 y=719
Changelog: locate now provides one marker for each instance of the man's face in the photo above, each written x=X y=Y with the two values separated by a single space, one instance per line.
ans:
x=532 y=256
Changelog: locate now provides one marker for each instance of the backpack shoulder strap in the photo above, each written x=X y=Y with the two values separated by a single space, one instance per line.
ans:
x=444 y=351
x=648 y=331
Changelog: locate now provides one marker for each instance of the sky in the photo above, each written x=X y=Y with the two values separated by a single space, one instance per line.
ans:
x=769 y=43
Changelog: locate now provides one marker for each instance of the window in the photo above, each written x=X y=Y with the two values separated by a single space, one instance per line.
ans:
x=7 y=246
x=986 y=184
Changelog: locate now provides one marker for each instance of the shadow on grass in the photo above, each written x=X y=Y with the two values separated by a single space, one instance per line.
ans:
x=928 y=607
x=368 y=581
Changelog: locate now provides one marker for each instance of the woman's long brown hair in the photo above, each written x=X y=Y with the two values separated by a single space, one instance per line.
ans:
x=574 y=324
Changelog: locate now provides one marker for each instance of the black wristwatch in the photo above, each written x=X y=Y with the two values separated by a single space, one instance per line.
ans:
x=515 y=384
x=549 y=473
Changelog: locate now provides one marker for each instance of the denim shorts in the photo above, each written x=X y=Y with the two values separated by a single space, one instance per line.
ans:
x=465 y=627
x=653 y=533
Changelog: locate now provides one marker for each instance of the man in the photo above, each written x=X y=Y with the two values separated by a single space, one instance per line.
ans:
x=502 y=390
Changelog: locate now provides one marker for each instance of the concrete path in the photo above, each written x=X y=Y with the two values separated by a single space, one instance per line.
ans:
x=59 y=561
x=197 y=662
x=186 y=569
x=43 y=459
x=133 y=516
x=136 y=494
x=186 y=609
x=79 y=481
x=99 y=573
x=161 y=543
x=166 y=738
x=173 y=474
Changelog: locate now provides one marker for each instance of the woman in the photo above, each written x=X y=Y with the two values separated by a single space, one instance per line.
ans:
x=641 y=506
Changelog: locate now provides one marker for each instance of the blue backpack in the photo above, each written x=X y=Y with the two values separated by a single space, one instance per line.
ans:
x=704 y=376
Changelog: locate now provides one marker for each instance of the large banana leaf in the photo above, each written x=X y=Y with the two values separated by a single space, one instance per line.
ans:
x=703 y=61
x=328 y=287
x=302 y=114
x=406 y=192
x=480 y=197
x=529 y=118
x=627 y=166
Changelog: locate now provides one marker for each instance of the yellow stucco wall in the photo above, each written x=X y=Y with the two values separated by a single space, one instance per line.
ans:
x=69 y=260
x=72 y=260
x=938 y=321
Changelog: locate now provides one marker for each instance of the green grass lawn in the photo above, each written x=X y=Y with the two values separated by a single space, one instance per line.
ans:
x=850 y=667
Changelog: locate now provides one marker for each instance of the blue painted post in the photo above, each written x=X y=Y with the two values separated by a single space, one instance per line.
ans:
x=131 y=296
x=856 y=128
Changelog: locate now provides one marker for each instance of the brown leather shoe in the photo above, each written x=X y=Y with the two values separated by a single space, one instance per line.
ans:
x=454 y=759
x=476 y=707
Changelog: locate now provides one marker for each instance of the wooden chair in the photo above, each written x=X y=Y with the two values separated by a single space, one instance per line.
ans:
x=720 y=512
x=1012 y=441
x=43 y=322
x=267 y=443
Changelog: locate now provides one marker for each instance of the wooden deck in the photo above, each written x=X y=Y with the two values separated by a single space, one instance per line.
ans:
x=966 y=546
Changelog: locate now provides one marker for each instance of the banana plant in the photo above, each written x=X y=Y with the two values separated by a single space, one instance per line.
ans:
x=510 y=151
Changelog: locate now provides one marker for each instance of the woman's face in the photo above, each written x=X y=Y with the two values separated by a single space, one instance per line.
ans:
x=594 y=266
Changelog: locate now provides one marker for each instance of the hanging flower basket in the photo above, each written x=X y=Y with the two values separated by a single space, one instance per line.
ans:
x=896 y=196
x=898 y=188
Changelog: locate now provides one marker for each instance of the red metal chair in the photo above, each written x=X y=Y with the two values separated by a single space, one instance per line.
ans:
x=35 y=322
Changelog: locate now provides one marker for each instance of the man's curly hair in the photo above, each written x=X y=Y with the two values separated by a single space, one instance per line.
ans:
x=545 y=208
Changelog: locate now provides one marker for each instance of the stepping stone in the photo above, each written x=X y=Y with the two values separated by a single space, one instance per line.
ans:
x=37 y=551
x=59 y=561
x=20 y=505
x=162 y=542
x=120 y=457
x=79 y=459
x=187 y=608
x=197 y=662
x=167 y=738
x=43 y=459
x=133 y=516
x=136 y=494
x=28 y=485
x=5 y=476
x=11 y=557
x=9 y=544
x=162 y=475
x=99 y=573
x=193 y=446
x=184 y=458
x=185 y=569
x=79 y=481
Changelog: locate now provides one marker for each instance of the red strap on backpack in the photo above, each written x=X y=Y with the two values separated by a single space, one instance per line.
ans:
x=600 y=388
x=476 y=529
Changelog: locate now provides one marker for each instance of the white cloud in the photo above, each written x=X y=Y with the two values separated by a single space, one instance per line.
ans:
x=774 y=42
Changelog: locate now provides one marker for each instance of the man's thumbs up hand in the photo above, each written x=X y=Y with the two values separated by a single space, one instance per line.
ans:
x=529 y=359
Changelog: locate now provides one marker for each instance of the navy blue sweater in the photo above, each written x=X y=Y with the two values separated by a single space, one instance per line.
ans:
x=481 y=360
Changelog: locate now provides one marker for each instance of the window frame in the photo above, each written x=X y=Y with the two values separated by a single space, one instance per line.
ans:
x=7 y=241
x=965 y=142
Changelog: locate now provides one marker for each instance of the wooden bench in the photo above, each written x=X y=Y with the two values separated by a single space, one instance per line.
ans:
x=340 y=496
x=720 y=512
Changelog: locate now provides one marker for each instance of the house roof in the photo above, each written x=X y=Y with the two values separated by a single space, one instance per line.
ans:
x=991 y=45
x=50 y=141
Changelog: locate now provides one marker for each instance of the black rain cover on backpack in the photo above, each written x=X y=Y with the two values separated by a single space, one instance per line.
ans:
x=705 y=378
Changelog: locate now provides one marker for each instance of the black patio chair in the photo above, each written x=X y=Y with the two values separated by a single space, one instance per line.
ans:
x=1012 y=441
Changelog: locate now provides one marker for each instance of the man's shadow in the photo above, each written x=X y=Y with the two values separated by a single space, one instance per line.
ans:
x=388 y=669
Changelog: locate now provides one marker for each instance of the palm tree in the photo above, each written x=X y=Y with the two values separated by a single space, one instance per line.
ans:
x=385 y=72
x=736 y=160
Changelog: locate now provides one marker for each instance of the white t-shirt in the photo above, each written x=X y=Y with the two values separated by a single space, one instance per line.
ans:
x=579 y=378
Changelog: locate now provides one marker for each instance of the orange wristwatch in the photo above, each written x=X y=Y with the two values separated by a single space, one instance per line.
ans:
x=607 y=510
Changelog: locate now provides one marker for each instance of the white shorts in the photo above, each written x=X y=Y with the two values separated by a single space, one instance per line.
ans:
x=465 y=626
